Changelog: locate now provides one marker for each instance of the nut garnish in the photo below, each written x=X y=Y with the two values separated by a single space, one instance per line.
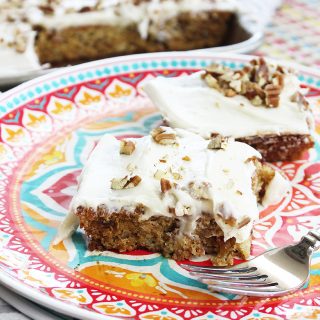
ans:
x=127 y=147
x=244 y=222
x=218 y=142
x=186 y=158
x=125 y=183
x=165 y=185
x=199 y=191
x=259 y=82
x=301 y=100
x=176 y=175
x=272 y=95
x=172 y=210
x=163 y=135
x=161 y=174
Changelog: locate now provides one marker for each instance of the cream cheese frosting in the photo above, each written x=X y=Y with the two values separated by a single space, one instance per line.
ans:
x=218 y=182
x=188 y=102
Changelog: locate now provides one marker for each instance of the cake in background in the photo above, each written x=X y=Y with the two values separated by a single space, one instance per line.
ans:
x=36 y=32
x=172 y=192
x=261 y=104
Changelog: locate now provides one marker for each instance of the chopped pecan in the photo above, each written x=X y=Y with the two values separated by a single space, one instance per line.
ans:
x=272 y=95
x=301 y=100
x=199 y=191
x=257 y=101
x=127 y=147
x=278 y=80
x=46 y=9
x=125 y=183
x=218 y=142
x=163 y=135
x=211 y=81
x=132 y=182
x=161 y=174
x=165 y=185
x=230 y=93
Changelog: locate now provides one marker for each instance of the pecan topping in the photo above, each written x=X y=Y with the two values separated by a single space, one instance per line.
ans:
x=301 y=100
x=186 y=158
x=163 y=135
x=165 y=185
x=259 y=82
x=199 y=191
x=218 y=142
x=272 y=95
x=125 y=183
x=127 y=147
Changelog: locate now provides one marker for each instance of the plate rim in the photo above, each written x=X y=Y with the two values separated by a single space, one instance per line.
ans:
x=59 y=305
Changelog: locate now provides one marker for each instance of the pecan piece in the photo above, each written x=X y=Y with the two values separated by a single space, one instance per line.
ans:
x=218 y=142
x=165 y=185
x=163 y=135
x=125 y=183
x=127 y=147
x=199 y=191
x=272 y=95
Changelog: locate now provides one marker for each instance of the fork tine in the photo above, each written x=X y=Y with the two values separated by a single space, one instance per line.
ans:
x=220 y=270
x=240 y=276
x=247 y=291
x=231 y=283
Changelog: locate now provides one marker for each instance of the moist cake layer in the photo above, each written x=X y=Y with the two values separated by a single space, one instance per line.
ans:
x=185 y=31
x=176 y=178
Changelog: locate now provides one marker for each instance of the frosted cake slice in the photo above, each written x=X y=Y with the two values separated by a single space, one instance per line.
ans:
x=172 y=192
x=260 y=104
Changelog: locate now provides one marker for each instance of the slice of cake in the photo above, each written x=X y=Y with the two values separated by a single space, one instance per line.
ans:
x=172 y=192
x=260 y=104
x=62 y=32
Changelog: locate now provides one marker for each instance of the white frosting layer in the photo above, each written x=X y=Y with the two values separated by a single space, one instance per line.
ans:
x=188 y=102
x=225 y=173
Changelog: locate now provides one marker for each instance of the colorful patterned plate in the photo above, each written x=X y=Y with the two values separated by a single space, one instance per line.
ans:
x=48 y=128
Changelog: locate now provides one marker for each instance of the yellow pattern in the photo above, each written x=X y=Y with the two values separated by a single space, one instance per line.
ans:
x=119 y=92
x=14 y=136
x=60 y=108
x=30 y=278
x=314 y=314
x=112 y=309
x=89 y=99
x=2 y=149
x=69 y=294
x=36 y=121
x=141 y=279
x=147 y=285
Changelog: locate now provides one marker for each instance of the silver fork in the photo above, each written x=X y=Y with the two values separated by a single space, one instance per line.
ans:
x=274 y=273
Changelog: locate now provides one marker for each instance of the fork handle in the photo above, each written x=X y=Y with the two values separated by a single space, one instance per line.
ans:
x=303 y=250
x=312 y=239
